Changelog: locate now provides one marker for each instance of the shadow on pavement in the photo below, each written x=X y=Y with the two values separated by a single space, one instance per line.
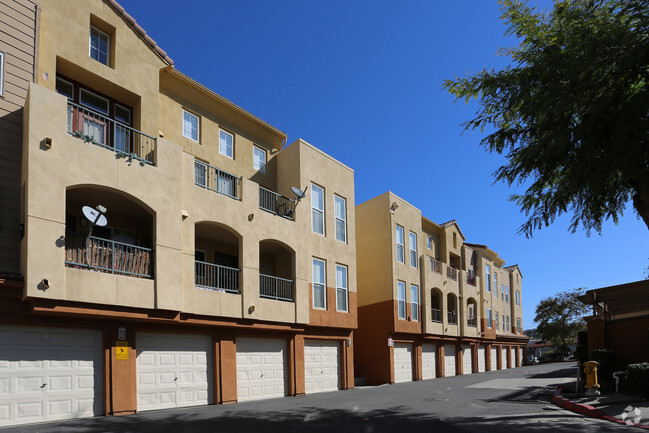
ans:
x=564 y=372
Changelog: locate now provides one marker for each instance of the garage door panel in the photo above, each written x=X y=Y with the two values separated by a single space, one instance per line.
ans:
x=260 y=368
x=482 y=362
x=467 y=361
x=322 y=366
x=494 y=359
x=449 y=360
x=429 y=361
x=402 y=362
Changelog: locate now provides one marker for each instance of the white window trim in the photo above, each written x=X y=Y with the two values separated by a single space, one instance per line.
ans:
x=401 y=259
x=262 y=168
x=346 y=288
x=320 y=212
x=107 y=47
x=324 y=284
x=489 y=318
x=496 y=282
x=497 y=324
x=344 y=219
x=488 y=277
x=399 y=300
x=412 y=235
x=414 y=303
x=198 y=126
x=82 y=90
x=429 y=242
x=518 y=298
x=2 y=73
x=231 y=135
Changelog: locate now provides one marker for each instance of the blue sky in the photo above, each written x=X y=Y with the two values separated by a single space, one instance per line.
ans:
x=362 y=80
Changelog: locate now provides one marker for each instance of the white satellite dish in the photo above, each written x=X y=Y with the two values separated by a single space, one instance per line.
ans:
x=96 y=217
x=298 y=192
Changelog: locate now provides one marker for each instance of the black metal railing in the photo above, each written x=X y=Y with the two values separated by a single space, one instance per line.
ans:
x=275 y=203
x=472 y=321
x=271 y=287
x=435 y=265
x=451 y=273
x=436 y=315
x=216 y=277
x=470 y=278
x=452 y=318
x=216 y=180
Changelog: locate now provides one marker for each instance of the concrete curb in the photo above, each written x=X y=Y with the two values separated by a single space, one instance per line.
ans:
x=587 y=410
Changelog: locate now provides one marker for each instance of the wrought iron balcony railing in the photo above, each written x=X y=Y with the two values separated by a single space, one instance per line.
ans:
x=271 y=287
x=217 y=180
x=216 y=277
x=275 y=203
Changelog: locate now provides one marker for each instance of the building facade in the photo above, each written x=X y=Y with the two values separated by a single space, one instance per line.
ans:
x=175 y=251
x=429 y=303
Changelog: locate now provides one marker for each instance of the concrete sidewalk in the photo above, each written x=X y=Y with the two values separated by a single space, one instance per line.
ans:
x=619 y=408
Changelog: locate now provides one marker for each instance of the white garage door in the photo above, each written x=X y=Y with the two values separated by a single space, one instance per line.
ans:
x=520 y=356
x=449 y=360
x=503 y=358
x=428 y=361
x=512 y=356
x=467 y=361
x=49 y=374
x=321 y=366
x=494 y=358
x=173 y=370
x=481 y=359
x=261 y=368
x=402 y=362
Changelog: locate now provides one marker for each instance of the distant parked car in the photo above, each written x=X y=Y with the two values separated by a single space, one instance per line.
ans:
x=532 y=360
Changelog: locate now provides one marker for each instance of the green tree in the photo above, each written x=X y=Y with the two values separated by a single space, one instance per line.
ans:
x=571 y=111
x=559 y=317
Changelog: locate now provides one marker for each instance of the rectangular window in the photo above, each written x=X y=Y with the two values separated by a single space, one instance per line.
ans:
x=340 y=209
x=504 y=323
x=518 y=324
x=65 y=88
x=2 y=73
x=414 y=302
x=496 y=283
x=429 y=242
x=99 y=45
x=489 y=318
x=413 y=250
x=401 y=296
x=497 y=321
x=341 y=288
x=502 y=291
x=259 y=159
x=518 y=297
x=191 y=126
x=400 y=248
x=317 y=209
x=93 y=126
x=507 y=294
x=319 y=285
x=226 y=143
x=487 y=275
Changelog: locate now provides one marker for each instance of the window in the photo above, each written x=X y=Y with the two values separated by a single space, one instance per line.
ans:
x=504 y=323
x=226 y=143
x=496 y=283
x=190 y=125
x=454 y=240
x=497 y=321
x=518 y=297
x=413 y=250
x=502 y=291
x=401 y=296
x=65 y=88
x=93 y=126
x=489 y=318
x=2 y=72
x=340 y=209
x=200 y=173
x=99 y=45
x=319 y=285
x=414 y=302
x=259 y=159
x=429 y=242
x=506 y=293
x=341 y=288
x=518 y=324
x=317 y=209
x=487 y=272
x=400 y=251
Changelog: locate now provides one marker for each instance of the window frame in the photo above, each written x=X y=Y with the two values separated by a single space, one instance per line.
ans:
x=108 y=45
x=414 y=302
x=340 y=289
x=518 y=324
x=507 y=294
x=231 y=155
x=401 y=300
x=429 y=242
x=317 y=211
x=497 y=324
x=502 y=291
x=401 y=253
x=518 y=297
x=342 y=219
x=413 y=251
x=256 y=149
x=318 y=283
x=198 y=126
x=2 y=73
x=489 y=318
x=496 y=282
x=487 y=270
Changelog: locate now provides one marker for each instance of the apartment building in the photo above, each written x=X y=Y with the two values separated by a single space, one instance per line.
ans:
x=175 y=250
x=426 y=304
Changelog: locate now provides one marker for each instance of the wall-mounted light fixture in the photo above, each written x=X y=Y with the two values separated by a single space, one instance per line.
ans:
x=47 y=142
x=349 y=342
x=46 y=283
x=251 y=309
x=121 y=333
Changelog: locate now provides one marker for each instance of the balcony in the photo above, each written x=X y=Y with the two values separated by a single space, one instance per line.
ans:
x=472 y=321
x=452 y=318
x=93 y=127
x=105 y=255
x=436 y=315
x=470 y=278
x=275 y=203
x=216 y=277
x=451 y=273
x=435 y=266
x=219 y=181
x=276 y=288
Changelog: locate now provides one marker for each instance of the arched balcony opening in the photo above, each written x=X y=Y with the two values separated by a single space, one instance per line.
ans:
x=451 y=303
x=216 y=255
x=471 y=308
x=436 y=305
x=123 y=246
x=276 y=271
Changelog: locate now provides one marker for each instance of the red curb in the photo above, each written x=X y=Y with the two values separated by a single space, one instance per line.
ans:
x=587 y=410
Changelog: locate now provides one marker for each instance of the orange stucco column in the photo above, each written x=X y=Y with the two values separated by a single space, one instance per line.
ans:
x=228 y=375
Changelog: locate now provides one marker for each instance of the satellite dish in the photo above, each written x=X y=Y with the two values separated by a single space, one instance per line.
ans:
x=96 y=217
x=298 y=192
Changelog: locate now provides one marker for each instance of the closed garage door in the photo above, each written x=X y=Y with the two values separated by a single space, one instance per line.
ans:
x=428 y=361
x=49 y=374
x=520 y=356
x=481 y=359
x=466 y=360
x=449 y=360
x=503 y=358
x=494 y=358
x=402 y=362
x=321 y=366
x=261 y=368
x=512 y=357
x=173 y=370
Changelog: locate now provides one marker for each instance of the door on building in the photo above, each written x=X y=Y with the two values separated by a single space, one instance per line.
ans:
x=261 y=368
x=321 y=365
x=402 y=362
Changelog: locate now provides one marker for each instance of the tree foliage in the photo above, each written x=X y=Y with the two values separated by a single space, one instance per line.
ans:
x=571 y=112
x=559 y=317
